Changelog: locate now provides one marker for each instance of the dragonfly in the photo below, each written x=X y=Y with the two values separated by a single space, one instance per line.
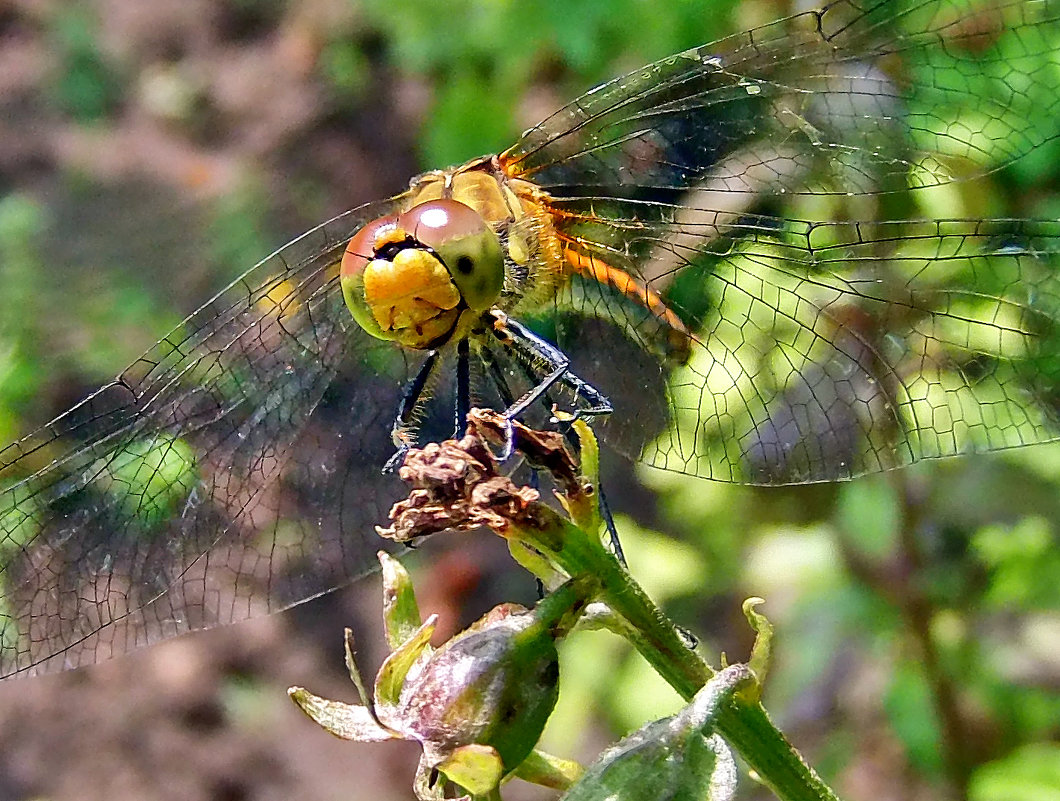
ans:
x=727 y=251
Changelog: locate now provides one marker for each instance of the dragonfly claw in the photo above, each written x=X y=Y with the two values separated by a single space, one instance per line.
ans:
x=395 y=461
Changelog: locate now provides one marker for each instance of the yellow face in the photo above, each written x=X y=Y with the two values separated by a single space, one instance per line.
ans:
x=413 y=278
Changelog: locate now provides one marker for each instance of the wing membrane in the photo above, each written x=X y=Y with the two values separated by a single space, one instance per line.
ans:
x=235 y=467
x=823 y=347
x=823 y=351
x=228 y=471
x=862 y=98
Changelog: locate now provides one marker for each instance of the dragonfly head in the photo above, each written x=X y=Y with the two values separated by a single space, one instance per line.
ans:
x=413 y=277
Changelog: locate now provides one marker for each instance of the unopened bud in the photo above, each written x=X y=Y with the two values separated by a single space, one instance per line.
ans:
x=496 y=684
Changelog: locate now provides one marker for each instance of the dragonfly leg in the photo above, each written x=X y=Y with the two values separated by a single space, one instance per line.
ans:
x=500 y=383
x=553 y=357
x=401 y=432
x=609 y=524
x=532 y=349
x=463 y=387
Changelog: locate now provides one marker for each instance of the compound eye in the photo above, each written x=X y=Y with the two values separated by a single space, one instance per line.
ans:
x=438 y=221
x=466 y=244
x=362 y=247
x=361 y=251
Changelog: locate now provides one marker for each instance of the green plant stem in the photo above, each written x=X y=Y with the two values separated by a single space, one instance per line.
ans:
x=744 y=723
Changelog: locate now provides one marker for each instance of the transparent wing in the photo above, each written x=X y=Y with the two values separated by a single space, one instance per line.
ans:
x=825 y=351
x=233 y=469
x=852 y=99
x=819 y=350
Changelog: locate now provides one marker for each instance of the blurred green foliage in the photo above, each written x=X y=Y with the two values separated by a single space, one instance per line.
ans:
x=20 y=273
x=1030 y=773
x=151 y=478
x=236 y=235
x=1023 y=564
x=909 y=706
x=482 y=55
x=86 y=86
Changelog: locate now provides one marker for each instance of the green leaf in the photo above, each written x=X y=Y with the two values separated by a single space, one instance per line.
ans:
x=401 y=613
x=909 y=707
x=869 y=512
x=86 y=86
x=466 y=122
x=476 y=768
x=1023 y=561
x=1031 y=773
x=677 y=757
x=348 y=721
x=390 y=679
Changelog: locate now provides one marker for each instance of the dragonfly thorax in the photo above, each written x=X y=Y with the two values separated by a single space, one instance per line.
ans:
x=423 y=277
